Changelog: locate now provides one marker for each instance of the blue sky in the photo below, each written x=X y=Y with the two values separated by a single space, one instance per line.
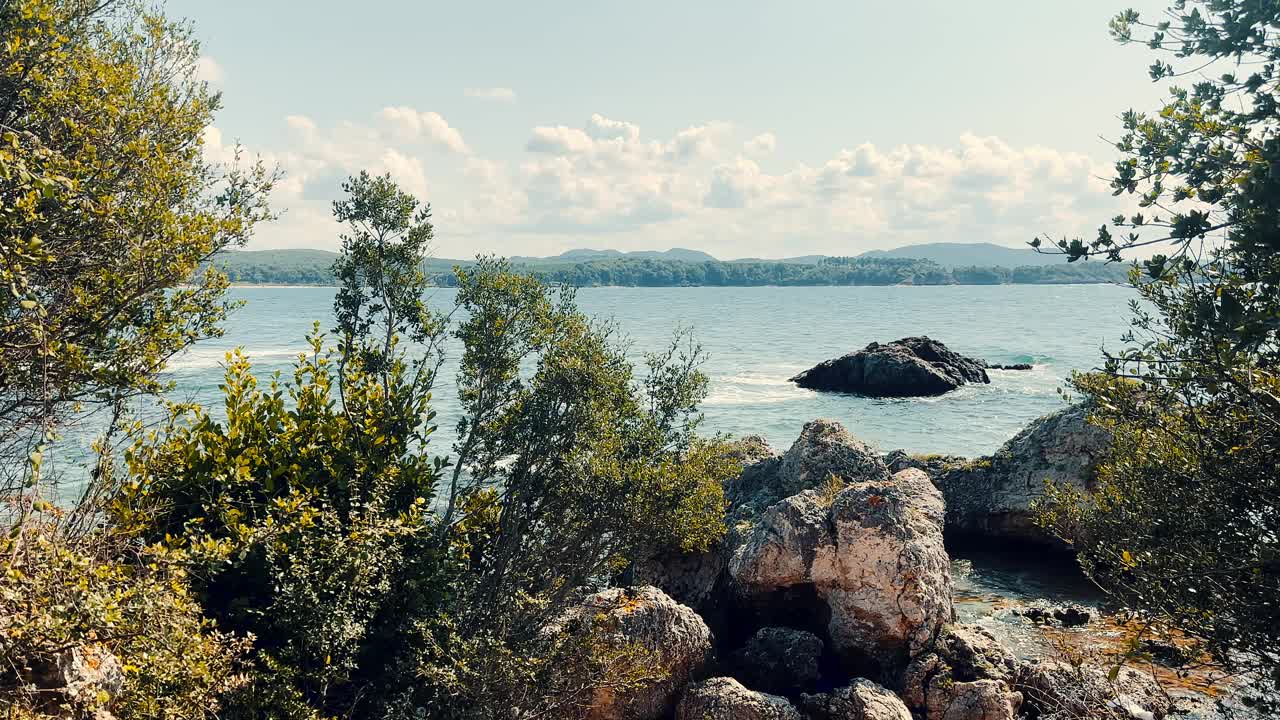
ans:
x=741 y=128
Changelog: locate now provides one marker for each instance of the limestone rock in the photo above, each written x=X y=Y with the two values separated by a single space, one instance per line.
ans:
x=1056 y=690
x=872 y=553
x=79 y=674
x=862 y=700
x=724 y=698
x=968 y=675
x=647 y=617
x=993 y=496
x=910 y=367
x=779 y=660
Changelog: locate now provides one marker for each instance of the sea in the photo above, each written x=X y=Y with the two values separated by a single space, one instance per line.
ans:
x=756 y=338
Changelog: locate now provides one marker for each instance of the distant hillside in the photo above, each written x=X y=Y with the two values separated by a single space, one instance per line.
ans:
x=313 y=267
x=969 y=254
x=588 y=255
x=282 y=267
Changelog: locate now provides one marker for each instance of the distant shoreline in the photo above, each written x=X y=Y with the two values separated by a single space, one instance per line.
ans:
x=284 y=286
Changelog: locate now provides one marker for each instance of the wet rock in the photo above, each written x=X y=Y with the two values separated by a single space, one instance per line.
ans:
x=871 y=553
x=862 y=700
x=1015 y=366
x=779 y=660
x=910 y=367
x=967 y=675
x=647 y=617
x=1054 y=690
x=1059 y=615
x=724 y=698
x=1165 y=652
x=992 y=496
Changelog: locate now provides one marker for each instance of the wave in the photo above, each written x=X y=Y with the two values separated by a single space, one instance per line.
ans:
x=210 y=358
x=753 y=388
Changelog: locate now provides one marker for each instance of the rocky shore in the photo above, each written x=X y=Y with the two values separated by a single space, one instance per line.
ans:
x=832 y=596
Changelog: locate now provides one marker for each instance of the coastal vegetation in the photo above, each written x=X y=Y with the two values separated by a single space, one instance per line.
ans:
x=1184 y=525
x=310 y=549
x=310 y=267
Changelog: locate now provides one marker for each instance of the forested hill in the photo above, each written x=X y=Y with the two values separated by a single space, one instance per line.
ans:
x=312 y=267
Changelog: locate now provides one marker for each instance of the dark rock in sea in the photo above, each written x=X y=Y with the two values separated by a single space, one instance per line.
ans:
x=779 y=660
x=1015 y=366
x=910 y=367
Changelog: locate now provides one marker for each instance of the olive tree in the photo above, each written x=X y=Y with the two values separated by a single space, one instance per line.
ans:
x=1184 y=525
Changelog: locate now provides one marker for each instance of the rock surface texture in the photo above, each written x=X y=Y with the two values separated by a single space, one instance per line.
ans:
x=993 y=496
x=724 y=698
x=645 y=616
x=863 y=700
x=910 y=367
x=967 y=675
x=1056 y=690
x=779 y=660
x=870 y=551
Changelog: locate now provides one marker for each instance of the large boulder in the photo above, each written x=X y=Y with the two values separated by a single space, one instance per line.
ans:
x=862 y=700
x=1059 y=691
x=779 y=660
x=724 y=698
x=993 y=496
x=645 y=617
x=966 y=675
x=910 y=367
x=870 y=554
x=825 y=453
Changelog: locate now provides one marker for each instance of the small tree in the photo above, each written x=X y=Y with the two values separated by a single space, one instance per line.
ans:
x=316 y=519
x=1184 y=525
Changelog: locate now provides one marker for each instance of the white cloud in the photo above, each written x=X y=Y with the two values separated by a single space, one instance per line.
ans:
x=414 y=125
x=208 y=70
x=496 y=94
x=762 y=144
x=709 y=186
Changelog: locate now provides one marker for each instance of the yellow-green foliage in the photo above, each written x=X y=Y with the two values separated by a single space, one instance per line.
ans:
x=58 y=594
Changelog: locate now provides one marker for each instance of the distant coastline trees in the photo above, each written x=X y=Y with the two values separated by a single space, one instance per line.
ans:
x=314 y=268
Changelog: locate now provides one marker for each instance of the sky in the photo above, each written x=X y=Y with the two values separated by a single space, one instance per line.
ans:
x=744 y=128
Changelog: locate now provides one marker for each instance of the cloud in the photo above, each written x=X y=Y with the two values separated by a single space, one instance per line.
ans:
x=496 y=94
x=710 y=185
x=208 y=70
x=762 y=144
x=414 y=125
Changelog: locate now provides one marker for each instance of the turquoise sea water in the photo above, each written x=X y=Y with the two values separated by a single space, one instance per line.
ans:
x=756 y=338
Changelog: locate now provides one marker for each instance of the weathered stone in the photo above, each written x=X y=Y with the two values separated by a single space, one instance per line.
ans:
x=910 y=367
x=968 y=675
x=862 y=700
x=80 y=674
x=1061 y=615
x=1057 y=690
x=644 y=616
x=779 y=660
x=993 y=496
x=724 y=698
x=872 y=552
